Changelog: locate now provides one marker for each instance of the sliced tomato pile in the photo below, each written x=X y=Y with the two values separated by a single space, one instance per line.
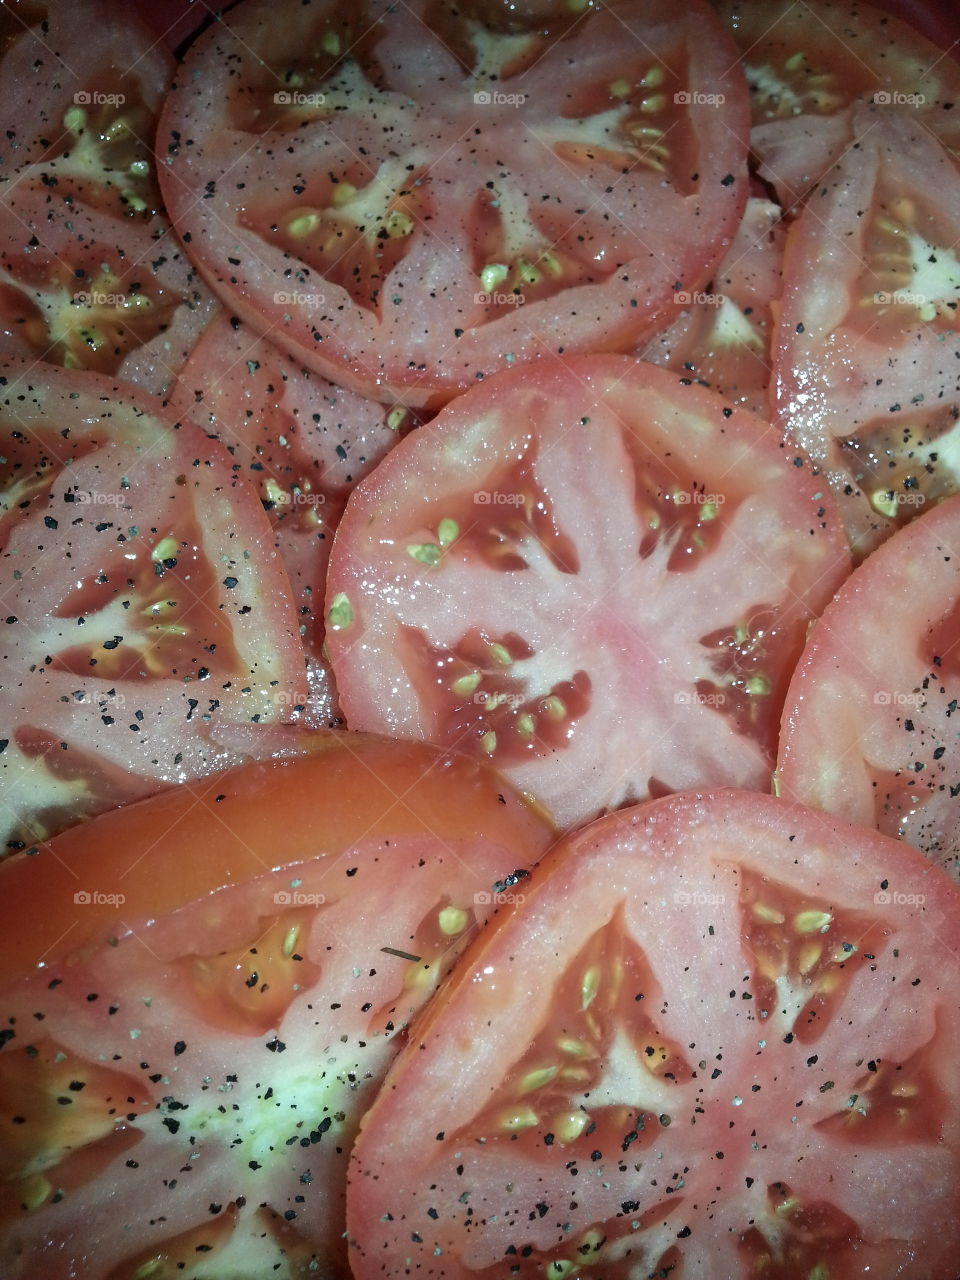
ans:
x=717 y=1038
x=142 y=598
x=303 y=443
x=180 y=1091
x=417 y=196
x=809 y=64
x=598 y=576
x=91 y=274
x=868 y=727
x=567 y=391
x=867 y=375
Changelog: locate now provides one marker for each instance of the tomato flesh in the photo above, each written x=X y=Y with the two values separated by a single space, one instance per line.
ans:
x=579 y=575
x=215 y=1014
x=716 y=1036
x=442 y=202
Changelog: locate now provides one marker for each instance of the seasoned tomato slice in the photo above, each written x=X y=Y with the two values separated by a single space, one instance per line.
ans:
x=143 y=601
x=303 y=443
x=91 y=275
x=868 y=726
x=867 y=375
x=413 y=197
x=716 y=1037
x=809 y=64
x=232 y=969
x=723 y=333
x=594 y=574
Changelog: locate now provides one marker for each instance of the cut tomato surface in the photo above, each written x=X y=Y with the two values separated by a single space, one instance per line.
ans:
x=868 y=377
x=868 y=729
x=91 y=275
x=595 y=574
x=809 y=64
x=415 y=197
x=219 y=977
x=723 y=333
x=717 y=1037
x=142 y=597
x=303 y=443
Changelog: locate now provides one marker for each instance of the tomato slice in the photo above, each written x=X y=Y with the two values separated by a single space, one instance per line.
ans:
x=868 y=729
x=717 y=1037
x=594 y=574
x=143 y=600
x=809 y=64
x=91 y=276
x=182 y=1075
x=867 y=379
x=413 y=197
x=303 y=443
x=723 y=334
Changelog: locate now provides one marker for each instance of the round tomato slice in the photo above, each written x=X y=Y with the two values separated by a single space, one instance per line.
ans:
x=91 y=276
x=716 y=1038
x=593 y=573
x=142 y=598
x=412 y=198
x=179 y=1094
x=809 y=64
x=868 y=729
x=303 y=443
x=723 y=334
x=867 y=376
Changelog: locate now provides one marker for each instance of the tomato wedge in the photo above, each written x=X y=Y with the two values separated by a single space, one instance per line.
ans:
x=225 y=972
x=867 y=377
x=592 y=573
x=809 y=64
x=723 y=335
x=143 y=601
x=868 y=730
x=303 y=443
x=413 y=197
x=717 y=1037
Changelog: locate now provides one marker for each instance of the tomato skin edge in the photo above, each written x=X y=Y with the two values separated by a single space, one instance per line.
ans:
x=228 y=827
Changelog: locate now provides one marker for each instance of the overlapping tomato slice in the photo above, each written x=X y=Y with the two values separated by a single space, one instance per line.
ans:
x=217 y=981
x=415 y=197
x=303 y=443
x=143 y=601
x=712 y=1036
x=594 y=574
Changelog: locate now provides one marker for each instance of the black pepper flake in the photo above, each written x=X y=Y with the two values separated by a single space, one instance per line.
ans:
x=230 y=582
x=179 y=1048
x=172 y=1124
x=728 y=181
